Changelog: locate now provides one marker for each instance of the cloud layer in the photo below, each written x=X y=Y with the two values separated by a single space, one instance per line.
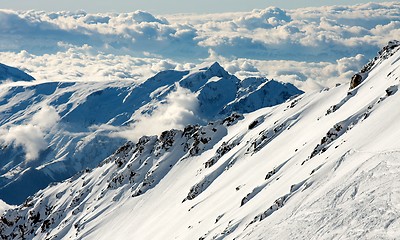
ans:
x=312 y=44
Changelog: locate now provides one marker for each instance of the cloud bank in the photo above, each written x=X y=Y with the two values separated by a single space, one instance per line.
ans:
x=315 y=45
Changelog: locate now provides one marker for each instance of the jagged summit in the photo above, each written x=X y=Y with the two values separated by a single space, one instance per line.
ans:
x=215 y=70
x=13 y=74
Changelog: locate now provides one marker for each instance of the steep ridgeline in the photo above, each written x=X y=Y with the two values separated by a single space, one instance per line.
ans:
x=293 y=171
x=383 y=54
x=75 y=125
x=13 y=74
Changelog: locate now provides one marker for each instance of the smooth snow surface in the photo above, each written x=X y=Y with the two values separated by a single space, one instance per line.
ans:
x=324 y=165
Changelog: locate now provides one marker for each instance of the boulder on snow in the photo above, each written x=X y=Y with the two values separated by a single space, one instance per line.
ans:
x=391 y=90
x=355 y=80
x=387 y=51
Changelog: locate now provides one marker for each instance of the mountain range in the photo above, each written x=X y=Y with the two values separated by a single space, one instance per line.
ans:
x=52 y=130
x=319 y=165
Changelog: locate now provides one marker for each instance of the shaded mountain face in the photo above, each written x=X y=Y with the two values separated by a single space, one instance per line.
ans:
x=321 y=165
x=13 y=74
x=52 y=130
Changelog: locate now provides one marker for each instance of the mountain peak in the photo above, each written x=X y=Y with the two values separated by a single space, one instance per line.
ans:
x=216 y=70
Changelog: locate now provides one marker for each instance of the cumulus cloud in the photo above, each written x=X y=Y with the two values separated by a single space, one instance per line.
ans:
x=83 y=63
x=45 y=118
x=124 y=33
x=317 y=34
x=163 y=65
x=31 y=136
x=141 y=16
x=264 y=18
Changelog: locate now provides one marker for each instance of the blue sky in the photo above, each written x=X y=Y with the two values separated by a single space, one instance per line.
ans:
x=171 y=6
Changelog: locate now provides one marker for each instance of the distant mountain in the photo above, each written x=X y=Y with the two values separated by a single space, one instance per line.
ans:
x=52 y=130
x=323 y=165
x=13 y=74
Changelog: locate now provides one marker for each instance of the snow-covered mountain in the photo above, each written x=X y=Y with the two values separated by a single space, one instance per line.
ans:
x=51 y=130
x=13 y=74
x=323 y=165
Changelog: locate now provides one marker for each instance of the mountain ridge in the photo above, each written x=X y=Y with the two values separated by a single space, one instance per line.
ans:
x=227 y=179
x=79 y=124
x=13 y=74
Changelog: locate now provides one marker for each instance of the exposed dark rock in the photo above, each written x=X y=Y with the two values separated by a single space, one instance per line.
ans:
x=355 y=80
x=383 y=54
x=232 y=119
x=391 y=90
x=221 y=151
x=244 y=200
x=253 y=124
x=336 y=131
x=270 y=174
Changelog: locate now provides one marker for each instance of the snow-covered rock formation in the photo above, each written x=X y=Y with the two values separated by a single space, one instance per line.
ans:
x=49 y=131
x=323 y=165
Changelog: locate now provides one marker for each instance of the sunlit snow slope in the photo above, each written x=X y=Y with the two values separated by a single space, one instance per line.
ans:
x=324 y=165
x=51 y=130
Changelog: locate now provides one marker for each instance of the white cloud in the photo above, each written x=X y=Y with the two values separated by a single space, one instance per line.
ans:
x=31 y=136
x=264 y=18
x=84 y=64
x=177 y=111
x=320 y=34
x=163 y=65
x=45 y=118
x=117 y=46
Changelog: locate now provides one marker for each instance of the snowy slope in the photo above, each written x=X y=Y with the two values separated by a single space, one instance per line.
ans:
x=49 y=131
x=13 y=74
x=321 y=166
